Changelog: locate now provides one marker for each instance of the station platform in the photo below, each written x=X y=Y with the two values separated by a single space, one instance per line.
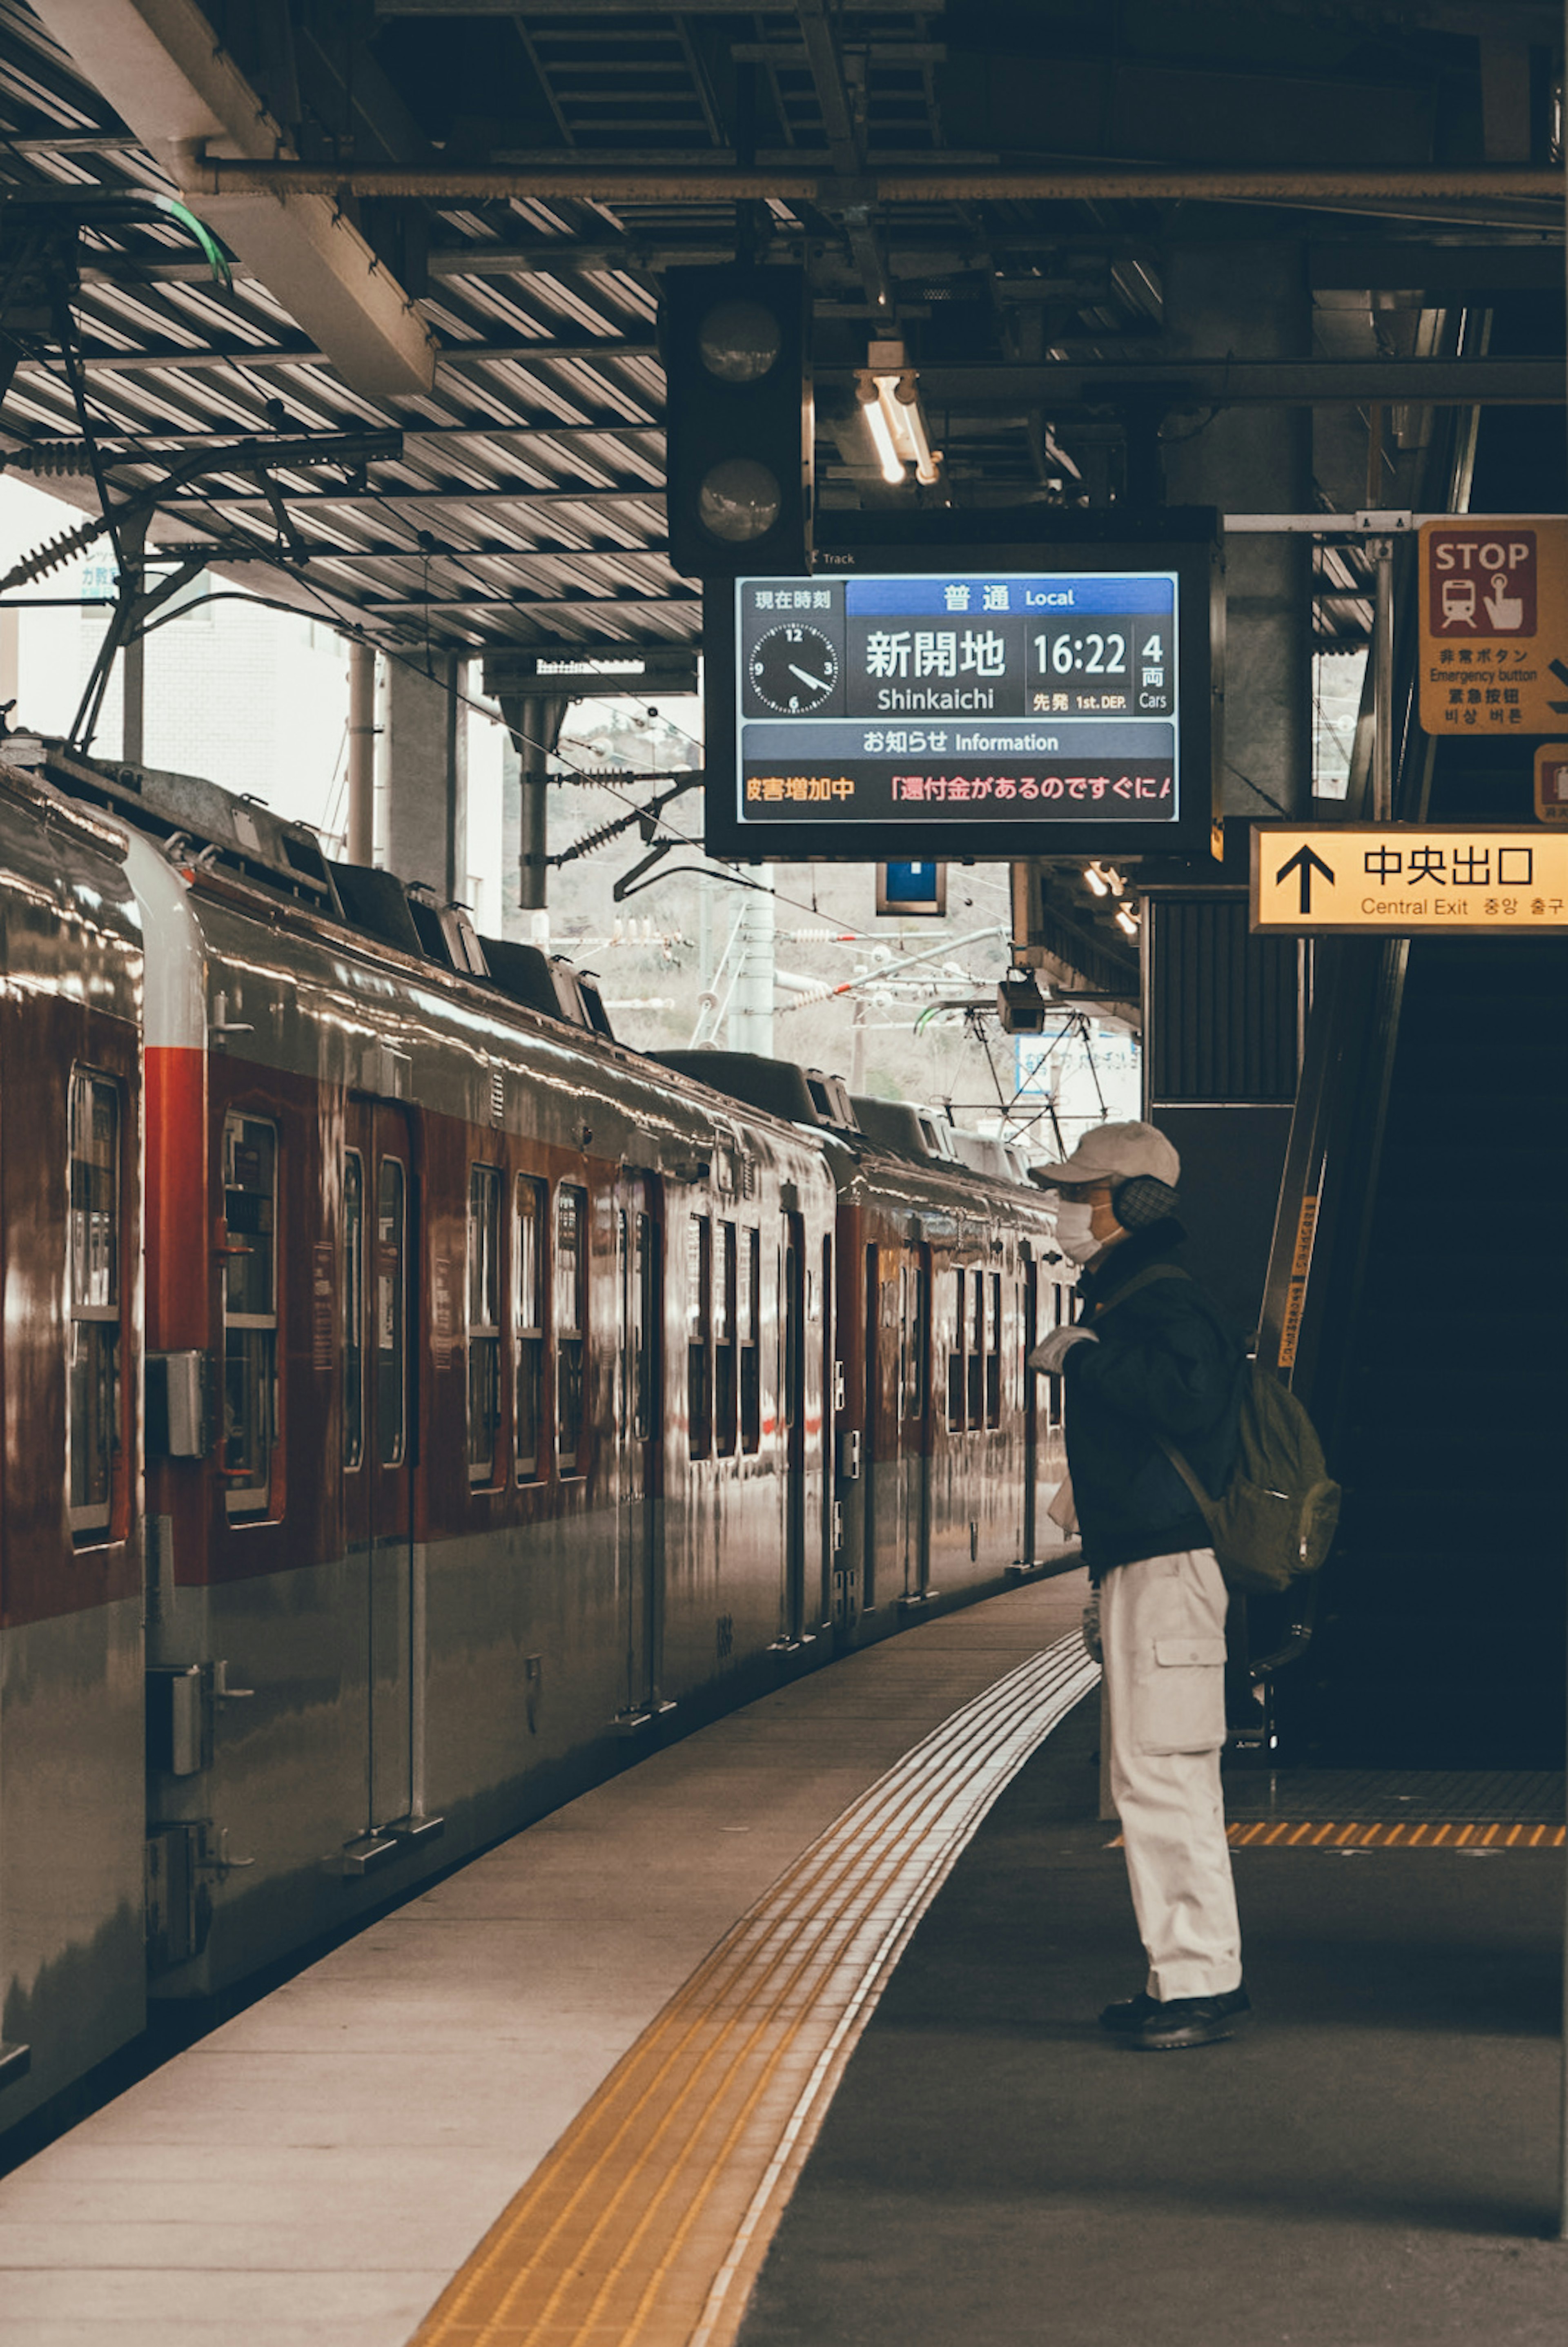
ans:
x=1372 y=2163
x=564 y=2094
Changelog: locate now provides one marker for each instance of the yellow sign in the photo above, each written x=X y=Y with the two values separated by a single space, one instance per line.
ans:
x=1551 y=783
x=1296 y=1299
x=1311 y=879
x=1494 y=625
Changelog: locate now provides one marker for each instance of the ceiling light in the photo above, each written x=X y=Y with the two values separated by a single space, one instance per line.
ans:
x=1118 y=885
x=1127 y=920
x=888 y=456
x=1095 y=879
x=890 y=400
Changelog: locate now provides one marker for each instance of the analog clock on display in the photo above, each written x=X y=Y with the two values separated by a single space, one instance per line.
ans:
x=793 y=668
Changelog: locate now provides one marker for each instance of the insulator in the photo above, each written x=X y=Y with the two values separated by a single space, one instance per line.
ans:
x=51 y=555
x=52 y=456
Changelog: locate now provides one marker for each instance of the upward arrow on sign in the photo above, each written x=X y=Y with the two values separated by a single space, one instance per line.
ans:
x=1305 y=862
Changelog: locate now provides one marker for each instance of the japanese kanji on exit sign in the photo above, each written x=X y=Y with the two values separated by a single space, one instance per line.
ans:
x=1408 y=879
x=1494 y=625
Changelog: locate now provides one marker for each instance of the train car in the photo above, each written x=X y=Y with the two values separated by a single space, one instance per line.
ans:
x=512 y=1401
x=72 y=1968
x=947 y=1452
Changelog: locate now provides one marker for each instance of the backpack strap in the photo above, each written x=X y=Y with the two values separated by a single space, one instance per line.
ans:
x=1205 y=1503
x=1142 y=1279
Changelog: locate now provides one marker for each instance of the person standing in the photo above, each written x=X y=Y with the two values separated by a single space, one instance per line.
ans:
x=1151 y=1361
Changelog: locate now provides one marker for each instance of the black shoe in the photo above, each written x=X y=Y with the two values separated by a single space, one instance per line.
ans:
x=1183 y=2021
x=1131 y=2014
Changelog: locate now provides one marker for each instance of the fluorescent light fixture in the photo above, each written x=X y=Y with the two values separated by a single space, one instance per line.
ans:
x=890 y=400
x=1096 y=880
x=887 y=455
x=1127 y=920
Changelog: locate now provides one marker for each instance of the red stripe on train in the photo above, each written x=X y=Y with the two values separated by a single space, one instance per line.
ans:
x=178 y=1264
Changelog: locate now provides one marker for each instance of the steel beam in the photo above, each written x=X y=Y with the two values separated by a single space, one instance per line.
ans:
x=159 y=64
x=609 y=181
x=1187 y=383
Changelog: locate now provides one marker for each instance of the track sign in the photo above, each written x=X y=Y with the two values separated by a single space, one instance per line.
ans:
x=1404 y=879
x=1494 y=625
x=739 y=421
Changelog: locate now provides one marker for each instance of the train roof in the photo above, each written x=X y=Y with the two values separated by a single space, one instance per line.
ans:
x=242 y=835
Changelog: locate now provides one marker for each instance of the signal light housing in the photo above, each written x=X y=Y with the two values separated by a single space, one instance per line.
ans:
x=739 y=421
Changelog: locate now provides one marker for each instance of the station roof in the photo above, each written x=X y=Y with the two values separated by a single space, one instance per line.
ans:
x=450 y=219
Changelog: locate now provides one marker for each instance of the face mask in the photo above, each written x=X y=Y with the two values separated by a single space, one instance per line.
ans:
x=1073 y=1235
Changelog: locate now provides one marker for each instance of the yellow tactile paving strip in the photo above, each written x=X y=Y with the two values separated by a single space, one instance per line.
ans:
x=1422 y=1833
x=648 y=2222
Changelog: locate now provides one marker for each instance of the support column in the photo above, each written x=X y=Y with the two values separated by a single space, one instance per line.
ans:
x=361 y=754
x=751 y=1018
x=424 y=773
x=1252 y=300
x=534 y=722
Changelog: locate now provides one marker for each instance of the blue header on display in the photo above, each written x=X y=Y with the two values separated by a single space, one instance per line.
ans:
x=1016 y=593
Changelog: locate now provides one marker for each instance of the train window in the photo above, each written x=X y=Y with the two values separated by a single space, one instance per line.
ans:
x=1054 y=1412
x=698 y=1321
x=956 y=1358
x=747 y=1284
x=391 y=1290
x=643 y=1293
x=917 y=1338
x=529 y=1259
x=977 y=1348
x=250 y=1312
x=724 y=1343
x=994 y=1354
x=93 y=1242
x=352 y=1310
x=484 y=1321
x=571 y=1321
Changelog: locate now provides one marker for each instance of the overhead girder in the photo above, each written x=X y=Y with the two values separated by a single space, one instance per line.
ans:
x=157 y=65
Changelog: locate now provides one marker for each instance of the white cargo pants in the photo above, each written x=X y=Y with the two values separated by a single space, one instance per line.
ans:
x=1162 y=1635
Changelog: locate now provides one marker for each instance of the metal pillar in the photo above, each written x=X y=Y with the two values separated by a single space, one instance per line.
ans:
x=133 y=701
x=361 y=754
x=1252 y=299
x=534 y=722
x=752 y=1003
x=424 y=770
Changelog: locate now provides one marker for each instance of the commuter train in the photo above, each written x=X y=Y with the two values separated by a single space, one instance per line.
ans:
x=417 y=1404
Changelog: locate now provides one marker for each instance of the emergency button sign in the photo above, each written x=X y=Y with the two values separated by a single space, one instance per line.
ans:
x=1481 y=586
x=1494 y=625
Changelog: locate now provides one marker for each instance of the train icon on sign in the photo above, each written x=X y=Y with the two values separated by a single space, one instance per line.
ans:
x=1480 y=583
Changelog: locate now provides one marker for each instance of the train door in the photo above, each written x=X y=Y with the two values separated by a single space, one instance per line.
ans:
x=791 y=1312
x=380 y=1351
x=639 y=1306
x=911 y=1401
x=1030 y=1404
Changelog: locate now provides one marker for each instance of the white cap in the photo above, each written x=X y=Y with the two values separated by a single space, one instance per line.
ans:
x=1115 y=1152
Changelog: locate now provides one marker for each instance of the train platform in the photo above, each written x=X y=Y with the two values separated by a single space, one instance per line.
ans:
x=564 y=2094
x=1373 y=2163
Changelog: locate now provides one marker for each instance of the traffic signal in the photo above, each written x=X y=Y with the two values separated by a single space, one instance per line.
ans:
x=739 y=421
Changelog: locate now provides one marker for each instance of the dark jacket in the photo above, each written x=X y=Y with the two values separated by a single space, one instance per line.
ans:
x=1166 y=1362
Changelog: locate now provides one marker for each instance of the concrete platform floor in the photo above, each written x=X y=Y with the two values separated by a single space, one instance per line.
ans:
x=1373 y=2166
x=313 y=2173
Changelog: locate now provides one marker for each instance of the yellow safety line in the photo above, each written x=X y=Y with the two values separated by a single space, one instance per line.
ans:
x=636 y=2197
x=1427 y=1834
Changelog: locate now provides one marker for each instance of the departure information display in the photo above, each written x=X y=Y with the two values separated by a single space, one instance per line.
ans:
x=1002 y=697
x=967 y=698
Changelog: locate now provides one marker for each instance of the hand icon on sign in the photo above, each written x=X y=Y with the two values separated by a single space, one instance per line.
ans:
x=1506 y=611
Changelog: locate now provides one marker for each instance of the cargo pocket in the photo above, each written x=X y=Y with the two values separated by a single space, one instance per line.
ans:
x=1181 y=1697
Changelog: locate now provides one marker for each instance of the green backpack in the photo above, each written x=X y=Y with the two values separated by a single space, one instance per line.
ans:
x=1276 y=1517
